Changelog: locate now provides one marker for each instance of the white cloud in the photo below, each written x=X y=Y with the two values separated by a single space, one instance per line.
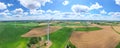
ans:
x=80 y=8
x=65 y=16
x=34 y=4
x=83 y=8
x=37 y=12
x=52 y=12
x=18 y=11
x=95 y=6
x=117 y=2
x=33 y=11
x=6 y=11
x=66 y=2
x=103 y=12
x=58 y=15
x=2 y=6
x=9 y=5
x=55 y=11
x=115 y=14
x=5 y=15
x=49 y=11
x=25 y=13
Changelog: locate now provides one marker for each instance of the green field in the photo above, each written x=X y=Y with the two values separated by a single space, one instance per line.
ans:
x=87 y=28
x=10 y=34
x=60 y=38
x=107 y=23
x=70 y=24
x=118 y=46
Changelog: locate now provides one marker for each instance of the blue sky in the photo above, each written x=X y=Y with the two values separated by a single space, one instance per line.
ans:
x=60 y=9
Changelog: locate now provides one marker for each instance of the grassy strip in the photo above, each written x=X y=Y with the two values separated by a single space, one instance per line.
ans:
x=60 y=37
x=70 y=45
x=118 y=46
x=70 y=24
x=107 y=23
x=87 y=29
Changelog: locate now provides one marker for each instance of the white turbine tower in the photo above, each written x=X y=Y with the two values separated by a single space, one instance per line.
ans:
x=48 y=29
x=15 y=21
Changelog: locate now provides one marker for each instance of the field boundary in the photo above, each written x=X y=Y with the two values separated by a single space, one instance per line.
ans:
x=115 y=30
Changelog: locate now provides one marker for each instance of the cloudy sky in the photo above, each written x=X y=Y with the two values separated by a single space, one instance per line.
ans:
x=60 y=9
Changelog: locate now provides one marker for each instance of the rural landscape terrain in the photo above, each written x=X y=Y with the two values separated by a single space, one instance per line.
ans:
x=62 y=34
x=59 y=23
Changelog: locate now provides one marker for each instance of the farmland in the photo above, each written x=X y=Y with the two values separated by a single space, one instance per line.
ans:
x=118 y=46
x=87 y=29
x=70 y=32
x=10 y=34
x=117 y=30
x=95 y=39
x=60 y=37
x=69 y=24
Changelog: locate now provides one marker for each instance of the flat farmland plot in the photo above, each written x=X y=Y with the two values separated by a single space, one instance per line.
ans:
x=60 y=38
x=10 y=34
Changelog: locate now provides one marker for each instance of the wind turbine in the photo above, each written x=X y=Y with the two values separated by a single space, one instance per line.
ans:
x=16 y=20
x=48 y=29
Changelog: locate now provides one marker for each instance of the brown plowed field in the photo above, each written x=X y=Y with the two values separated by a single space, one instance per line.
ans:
x=117 y=28
x=105 y=38
x=37 y=32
